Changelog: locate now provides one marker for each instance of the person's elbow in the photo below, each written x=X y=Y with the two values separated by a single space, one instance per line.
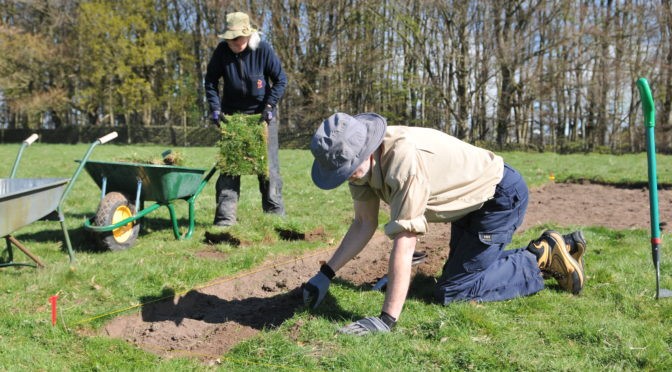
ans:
x=366 y=224
x=415 y=226
x=366 y=215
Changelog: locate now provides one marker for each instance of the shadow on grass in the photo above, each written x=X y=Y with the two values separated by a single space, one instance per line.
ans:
x=80 y=239
x=258 y=313
x=83 y=240
x=222 y=237
x=421 y=287
x=255 y=312
x=289 y=234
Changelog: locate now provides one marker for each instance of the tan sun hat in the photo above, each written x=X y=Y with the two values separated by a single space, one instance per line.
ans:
x=237 y=24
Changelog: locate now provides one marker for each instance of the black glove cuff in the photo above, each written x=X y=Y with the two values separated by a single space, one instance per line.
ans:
x=388 y=319
x=326 y=270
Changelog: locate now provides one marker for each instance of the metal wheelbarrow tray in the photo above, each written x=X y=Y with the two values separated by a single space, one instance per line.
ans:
x=26 y=200
x=116 y=223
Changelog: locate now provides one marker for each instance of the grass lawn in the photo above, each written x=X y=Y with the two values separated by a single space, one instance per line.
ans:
x=615 y=324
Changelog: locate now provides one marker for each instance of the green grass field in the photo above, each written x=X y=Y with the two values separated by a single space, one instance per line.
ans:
x=615 y=324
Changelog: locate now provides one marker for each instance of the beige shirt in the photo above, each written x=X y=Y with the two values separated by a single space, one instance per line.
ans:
x=427 y=175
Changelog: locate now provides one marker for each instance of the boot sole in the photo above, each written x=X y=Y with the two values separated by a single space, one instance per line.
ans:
x=570 y=268
x=418 y=258
x=577 y=254
x=576 y=283
x=580 y=243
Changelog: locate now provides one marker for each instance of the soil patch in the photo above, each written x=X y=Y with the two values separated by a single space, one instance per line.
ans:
x=207 y=322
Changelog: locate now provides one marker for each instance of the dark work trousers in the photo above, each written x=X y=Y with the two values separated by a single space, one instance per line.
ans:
x=227 y=188
x=478 y=268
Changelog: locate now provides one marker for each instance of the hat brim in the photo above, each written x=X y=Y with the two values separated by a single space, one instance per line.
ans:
x=230 y=35
x=375 y=131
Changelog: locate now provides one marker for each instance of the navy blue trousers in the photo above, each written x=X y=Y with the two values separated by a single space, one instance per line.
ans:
x=478 y=268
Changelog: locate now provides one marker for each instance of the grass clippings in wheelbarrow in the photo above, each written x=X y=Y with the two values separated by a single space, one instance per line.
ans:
x=169 y=157
x=242 y=146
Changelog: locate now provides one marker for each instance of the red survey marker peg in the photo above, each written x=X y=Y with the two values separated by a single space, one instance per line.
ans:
x=52 y=301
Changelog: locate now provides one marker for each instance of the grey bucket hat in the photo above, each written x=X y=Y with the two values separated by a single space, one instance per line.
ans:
x=341 y=144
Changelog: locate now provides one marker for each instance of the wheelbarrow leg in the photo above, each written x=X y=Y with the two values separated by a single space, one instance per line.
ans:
x=10 y=251
x=192 y=201
x=66 y=236
x=68 y=245
x=176 y=228
x=192 y=209
x=192 y=216
x=12 y=240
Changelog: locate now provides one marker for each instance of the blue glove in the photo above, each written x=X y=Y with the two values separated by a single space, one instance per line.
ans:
x=215 y=118
x=372 y=324
x=317 y=287
x=267 y=114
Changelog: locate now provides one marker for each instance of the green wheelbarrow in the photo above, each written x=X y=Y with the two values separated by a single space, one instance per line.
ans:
x=125 y=187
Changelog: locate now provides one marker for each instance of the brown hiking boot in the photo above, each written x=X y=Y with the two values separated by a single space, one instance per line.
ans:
x=553 y=258
x=576 y=245
x=543 y=246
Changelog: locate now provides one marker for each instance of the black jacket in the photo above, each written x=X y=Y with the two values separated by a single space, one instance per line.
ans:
x=252 y=79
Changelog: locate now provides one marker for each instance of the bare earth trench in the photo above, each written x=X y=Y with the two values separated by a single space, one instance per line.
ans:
x=206 y=322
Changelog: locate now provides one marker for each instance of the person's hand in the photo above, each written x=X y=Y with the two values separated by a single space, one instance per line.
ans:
x=372 y=324
x=315 y=290
x=215 y=118
x=267 y=114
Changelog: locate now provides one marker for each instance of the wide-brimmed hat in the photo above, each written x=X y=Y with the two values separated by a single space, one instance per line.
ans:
x=237 y=24
x=341 y=144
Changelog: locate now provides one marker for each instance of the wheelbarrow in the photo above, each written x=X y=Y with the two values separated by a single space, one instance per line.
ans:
x=125 y=187
x=26 y=200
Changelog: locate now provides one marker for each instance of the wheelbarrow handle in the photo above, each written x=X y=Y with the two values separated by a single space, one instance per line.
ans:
x=108 y=137
x=101 y=140
x=648 y=107
x=29 y=141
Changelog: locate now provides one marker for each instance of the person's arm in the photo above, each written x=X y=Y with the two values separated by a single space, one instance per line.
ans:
x=399 y=273
x=276 y=73
x=211 y=81
x=360 y=232
x=399 y=276
x=409 y=195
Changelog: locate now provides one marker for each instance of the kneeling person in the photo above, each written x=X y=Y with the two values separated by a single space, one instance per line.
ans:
x=425 y=175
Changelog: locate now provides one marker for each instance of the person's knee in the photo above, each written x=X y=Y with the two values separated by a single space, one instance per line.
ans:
x=448 y=292
x=227 y=196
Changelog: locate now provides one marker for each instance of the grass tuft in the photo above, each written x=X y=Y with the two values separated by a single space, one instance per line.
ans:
x=242 y=146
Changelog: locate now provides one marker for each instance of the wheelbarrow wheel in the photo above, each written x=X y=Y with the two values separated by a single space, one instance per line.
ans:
x=113 y=208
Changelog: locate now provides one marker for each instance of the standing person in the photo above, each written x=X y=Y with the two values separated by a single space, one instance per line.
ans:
x=425 y=175
x=253 y=83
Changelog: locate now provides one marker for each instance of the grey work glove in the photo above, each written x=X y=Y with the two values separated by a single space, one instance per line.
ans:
x=215 y=118
x=317 y=287
x=372 y=324
x=267 y=114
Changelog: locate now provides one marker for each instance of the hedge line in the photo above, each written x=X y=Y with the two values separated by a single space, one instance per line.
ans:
x=159 y=135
